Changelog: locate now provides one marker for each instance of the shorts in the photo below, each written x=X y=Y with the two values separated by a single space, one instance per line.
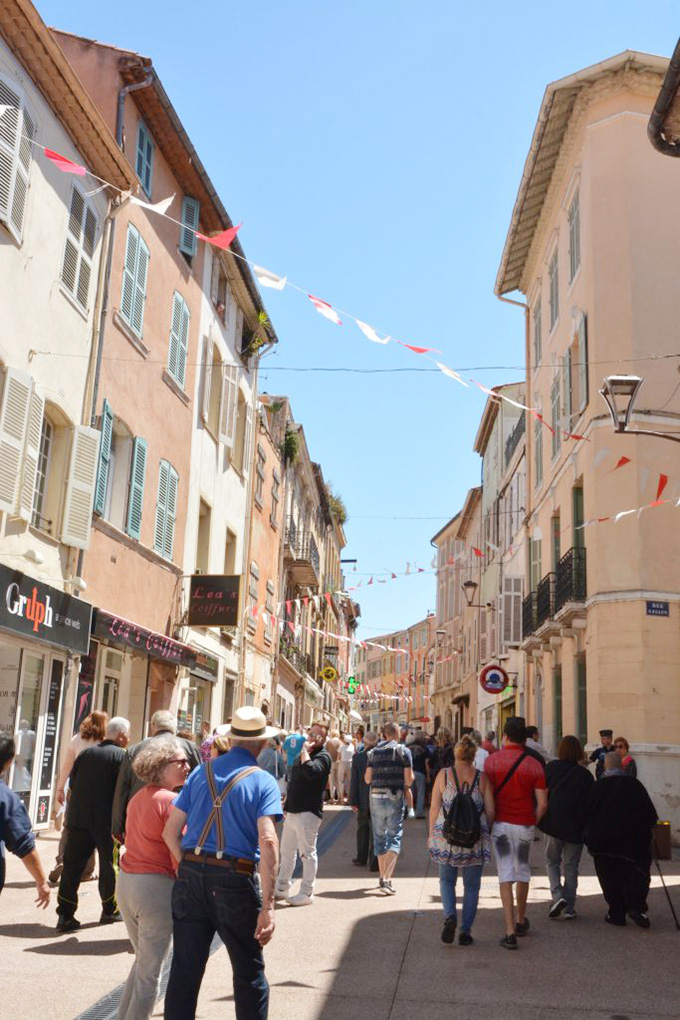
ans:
x=387 y=818
x=511 y=847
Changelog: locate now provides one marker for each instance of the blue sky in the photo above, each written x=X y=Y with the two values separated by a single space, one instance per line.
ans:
x=373 y=150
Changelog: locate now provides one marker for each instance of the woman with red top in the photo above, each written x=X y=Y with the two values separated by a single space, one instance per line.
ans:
x=147 y=873
x=628 y=763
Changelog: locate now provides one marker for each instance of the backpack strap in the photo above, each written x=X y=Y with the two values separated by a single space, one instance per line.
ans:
x=215 y=816
x=511 y=771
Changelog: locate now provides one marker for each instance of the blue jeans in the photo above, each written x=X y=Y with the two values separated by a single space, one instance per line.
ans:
x=472 y=880
x=208 y=899
x=420 y=794
x=387 y=816
x=558 y=854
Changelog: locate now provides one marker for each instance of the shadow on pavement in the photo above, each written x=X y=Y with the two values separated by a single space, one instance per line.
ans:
x=71 y=947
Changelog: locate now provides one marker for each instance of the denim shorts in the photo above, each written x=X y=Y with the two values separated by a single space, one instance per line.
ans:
x=387 y=818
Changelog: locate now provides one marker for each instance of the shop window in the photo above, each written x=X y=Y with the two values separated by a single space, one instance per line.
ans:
x=203 y=539
x=28 y=718
x=10 y=661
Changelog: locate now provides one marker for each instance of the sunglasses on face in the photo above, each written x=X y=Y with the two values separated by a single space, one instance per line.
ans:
x=622 y=747
x=178 y=761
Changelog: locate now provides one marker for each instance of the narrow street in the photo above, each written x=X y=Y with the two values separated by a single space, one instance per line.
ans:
x=357 y=953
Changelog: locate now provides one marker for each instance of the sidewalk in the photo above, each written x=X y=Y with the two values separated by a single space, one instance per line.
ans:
x=357 y=953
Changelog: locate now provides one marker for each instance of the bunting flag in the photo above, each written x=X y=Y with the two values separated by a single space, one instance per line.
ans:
x=67 y=166
x=371 y=334
x=267 y=279
x=323 y=308
x=663 y=482
x=621 y=462
x=477 y=552
x=223 y=240
x=451 y=374
x=419 y=350
x=158 y=207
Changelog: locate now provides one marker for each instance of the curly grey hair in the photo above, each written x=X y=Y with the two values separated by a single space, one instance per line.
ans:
x=150 y=763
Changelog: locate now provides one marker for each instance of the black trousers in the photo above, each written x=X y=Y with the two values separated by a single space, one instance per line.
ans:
x=624 y=886
x=365 y=852
x=80 y=844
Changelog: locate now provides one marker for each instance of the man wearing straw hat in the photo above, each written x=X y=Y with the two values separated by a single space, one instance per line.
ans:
x=229 y=807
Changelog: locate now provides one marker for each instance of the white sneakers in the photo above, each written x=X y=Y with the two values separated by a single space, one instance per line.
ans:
x=300 y=900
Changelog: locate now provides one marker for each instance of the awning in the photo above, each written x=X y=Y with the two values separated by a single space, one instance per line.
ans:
x=355 y=716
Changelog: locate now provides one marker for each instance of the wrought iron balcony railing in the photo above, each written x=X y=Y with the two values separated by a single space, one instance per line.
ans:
x=545 y=599
x=570 y=585
x=529 y=615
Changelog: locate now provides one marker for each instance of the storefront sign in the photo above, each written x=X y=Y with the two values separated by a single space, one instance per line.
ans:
x=207 y=666
x=213 y=600
x=37 y=610
x=51 y=722
x=85 y=689
x=658 y=609
x=118 y=631
x=493 y=679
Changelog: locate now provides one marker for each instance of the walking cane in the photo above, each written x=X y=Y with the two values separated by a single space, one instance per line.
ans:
x=665 y=889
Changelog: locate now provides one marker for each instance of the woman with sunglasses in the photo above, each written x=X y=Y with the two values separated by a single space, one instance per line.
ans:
x=147 y=873
x=627 y=760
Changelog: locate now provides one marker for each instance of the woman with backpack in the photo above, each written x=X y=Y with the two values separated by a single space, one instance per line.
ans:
x=461 y=815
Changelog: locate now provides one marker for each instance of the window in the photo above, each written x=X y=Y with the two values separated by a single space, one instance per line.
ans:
x=538 y=453
x=555 y=414
x=220 y=292
x=575 y=370
x=276 y=485
x=269 y=607
x=212 y=386
x=242 y=438
x=535 y=567
x=553 y=275
x=261 y=461
x=135 y=273
x=510 y=606
x=121 y=475
x=145 y=151
x=81 y=235
x=538 y=332
x=166 y=510
x=40 y=491
x=179 y=339
x=577 y=511
x=203 y=539
x=187 y=233
x=574 y=236
x=555 y=533
x=17 y=131
x=230 y=554
x=253 y=589
x=566 y=390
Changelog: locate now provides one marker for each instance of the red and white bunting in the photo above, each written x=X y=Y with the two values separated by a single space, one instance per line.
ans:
x=323 y=308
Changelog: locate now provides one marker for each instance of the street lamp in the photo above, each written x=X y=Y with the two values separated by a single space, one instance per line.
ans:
x=469 y=589
x=619 y=393
x=440 y=634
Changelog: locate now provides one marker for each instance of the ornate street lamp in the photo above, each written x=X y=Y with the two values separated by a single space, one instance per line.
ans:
x=469 y=589
x=619 y=393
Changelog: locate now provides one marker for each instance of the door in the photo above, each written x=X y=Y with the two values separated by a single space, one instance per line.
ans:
x=49 y=729
x=27 y=723
x=10 y=665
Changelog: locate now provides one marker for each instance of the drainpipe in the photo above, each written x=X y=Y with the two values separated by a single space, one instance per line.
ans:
x=655 y=131
x=125 y=91
x=247 y=545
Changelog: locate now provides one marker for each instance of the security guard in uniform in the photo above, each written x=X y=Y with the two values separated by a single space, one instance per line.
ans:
x=230 y=808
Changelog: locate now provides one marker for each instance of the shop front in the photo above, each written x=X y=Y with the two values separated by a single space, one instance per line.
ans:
x=41 y=630
x=196 y=696
x=130 y=671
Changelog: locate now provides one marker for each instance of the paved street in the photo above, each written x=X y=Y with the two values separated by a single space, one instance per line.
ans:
x=357 y=954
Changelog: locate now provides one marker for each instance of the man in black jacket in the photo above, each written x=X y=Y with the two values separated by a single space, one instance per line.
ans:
x=93 y=781
x=162 y=724
x=304 y=810
x=360 y=801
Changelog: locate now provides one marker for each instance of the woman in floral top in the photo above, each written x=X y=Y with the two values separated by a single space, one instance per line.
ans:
x=451 y=858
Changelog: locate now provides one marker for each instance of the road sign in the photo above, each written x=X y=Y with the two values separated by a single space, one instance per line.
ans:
x=493 y=679
x=329 y=674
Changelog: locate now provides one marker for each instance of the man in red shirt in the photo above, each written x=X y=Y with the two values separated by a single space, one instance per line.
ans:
x=518 y=783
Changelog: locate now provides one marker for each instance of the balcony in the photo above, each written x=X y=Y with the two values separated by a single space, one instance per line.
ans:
x=570 y=585
x=302 y=554
x=529 y=615
x=513 y=439
x=297 y=658
x=545 y=599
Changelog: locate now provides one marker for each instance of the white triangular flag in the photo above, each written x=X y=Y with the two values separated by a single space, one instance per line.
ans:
x=323 y=308
x=158 y=207
x=269 y=279
x=371 y=334
x=622 y=513
x=451 y=374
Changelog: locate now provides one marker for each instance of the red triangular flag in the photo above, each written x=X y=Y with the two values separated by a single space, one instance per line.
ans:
x=393 y=576
x=663 y=482
x=328 y=597
x=622 y=461
x=291 y=626
x=418 y=350
x=223 y=240
x=370 y=582
x=305 y=599
x=477 y=552
x=67 y=166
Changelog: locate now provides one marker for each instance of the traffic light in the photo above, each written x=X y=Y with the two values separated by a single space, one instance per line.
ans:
x=351 y=685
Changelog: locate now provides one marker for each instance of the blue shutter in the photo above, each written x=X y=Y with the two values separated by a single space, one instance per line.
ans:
x=133 y=524
x=187 y=237
x=144 y=164
x=104 y=459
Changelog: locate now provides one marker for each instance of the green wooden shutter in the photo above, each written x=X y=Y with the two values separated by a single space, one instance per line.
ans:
x=173 y=480
x=187 y=237
x=133 y=524
x=127 y=297
x=104 y=459
x=144 y=164
x=161 y=507
x=141 y=276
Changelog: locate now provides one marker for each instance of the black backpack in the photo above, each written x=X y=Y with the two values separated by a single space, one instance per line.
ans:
x=461 y=824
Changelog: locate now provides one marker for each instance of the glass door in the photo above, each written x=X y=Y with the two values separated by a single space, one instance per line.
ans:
x=28 y=718
x=10 y=661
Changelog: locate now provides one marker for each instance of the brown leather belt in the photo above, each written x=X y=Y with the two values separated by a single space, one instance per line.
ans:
x=240 y=865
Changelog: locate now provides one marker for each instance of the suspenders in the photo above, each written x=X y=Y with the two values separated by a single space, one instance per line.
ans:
x=215 y=816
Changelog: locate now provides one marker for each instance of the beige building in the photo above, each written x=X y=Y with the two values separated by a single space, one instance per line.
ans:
x=594 y=244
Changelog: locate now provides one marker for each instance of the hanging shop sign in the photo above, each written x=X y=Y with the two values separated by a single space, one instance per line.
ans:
x=329 y=674
x=493 y=679
x=207 y=666
x=36 y=610
x=213 y=600
x=125 y=634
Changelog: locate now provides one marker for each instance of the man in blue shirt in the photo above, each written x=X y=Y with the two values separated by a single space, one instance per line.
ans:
x=229 y=807
x=389 y=774
x=292 y=746
x=15 y=828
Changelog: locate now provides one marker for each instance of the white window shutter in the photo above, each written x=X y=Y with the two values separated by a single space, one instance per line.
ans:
x=483 y=636
x=230 y=317
x=171 y=513
x=127 y=298
x=10 y=127
x=175 y=331
x=23 y=171
x=31 y=456
x=517 y=596
x=247 y=438
x=161 y=507
x=183 y=343
x=229 y=406
x=207 y=377
x=77 y=519
x=493 y=630
x=140 y=288
x=14 y=414
x=187 y=236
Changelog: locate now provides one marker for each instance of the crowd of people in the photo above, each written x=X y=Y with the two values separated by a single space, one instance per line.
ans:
x=188 y=847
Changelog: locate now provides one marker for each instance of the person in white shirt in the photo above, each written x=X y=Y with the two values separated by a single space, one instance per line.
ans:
x=481 y=754
x=346 y=755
